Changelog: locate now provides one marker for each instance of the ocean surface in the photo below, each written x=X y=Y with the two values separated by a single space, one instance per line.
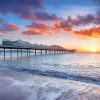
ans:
x=73 y=76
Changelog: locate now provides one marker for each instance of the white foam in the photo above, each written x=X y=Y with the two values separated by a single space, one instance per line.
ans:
x=23 y=86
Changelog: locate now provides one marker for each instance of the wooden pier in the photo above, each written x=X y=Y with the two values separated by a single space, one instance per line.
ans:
x=43 y=51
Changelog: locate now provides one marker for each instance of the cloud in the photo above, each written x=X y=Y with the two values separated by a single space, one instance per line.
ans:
x=44 y=16
x=26 y=9
x=41 y=28
x=19 y=6
x=93 y=32
x=37 y=29
x=38 y=26
x=8 y=27
x=32 y=32
x=63 y=24
x=40 y=16
x=66 y=25
x=81 y=20
x=69 y=23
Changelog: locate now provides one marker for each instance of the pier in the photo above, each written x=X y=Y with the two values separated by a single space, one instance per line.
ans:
x=20 y=47
x=28 y=50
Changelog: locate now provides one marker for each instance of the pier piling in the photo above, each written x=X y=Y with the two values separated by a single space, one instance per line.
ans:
x=35 y=52
x=4 y=53
x=10 y=53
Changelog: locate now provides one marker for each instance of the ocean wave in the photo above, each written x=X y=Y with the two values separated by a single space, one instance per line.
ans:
x=59 y=74
x=33 y=87
x=76 y=72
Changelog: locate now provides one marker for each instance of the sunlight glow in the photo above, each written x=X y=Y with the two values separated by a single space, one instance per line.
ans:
x=93 y=49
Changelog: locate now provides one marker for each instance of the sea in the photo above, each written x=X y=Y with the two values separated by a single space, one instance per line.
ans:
x=72 y=76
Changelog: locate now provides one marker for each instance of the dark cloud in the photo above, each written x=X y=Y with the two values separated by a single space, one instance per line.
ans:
x=44 y=16
x=85 y=20
x=26 y=9
x=20 y=7
x=40 y=16
x=79 y=20
x=69 y=23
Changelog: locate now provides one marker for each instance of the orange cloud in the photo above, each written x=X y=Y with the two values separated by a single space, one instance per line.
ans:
x=39 y=26
x=32 y=32
x=7 y=27
x=93 y=32
x=62 y=25
x=13 y=27
x=38 y=29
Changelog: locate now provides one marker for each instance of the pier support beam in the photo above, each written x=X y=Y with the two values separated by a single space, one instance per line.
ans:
x=4 y=53
x=49 y=52
x=41 y=52
x=52 y=52
x=35 y=52
x=56 y=52
x=45 y=52
x=29 y=52
x=17 y=53
x=10 y=53
x=21 y=53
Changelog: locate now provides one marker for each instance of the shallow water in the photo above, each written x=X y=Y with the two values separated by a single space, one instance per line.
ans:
x=77 y=73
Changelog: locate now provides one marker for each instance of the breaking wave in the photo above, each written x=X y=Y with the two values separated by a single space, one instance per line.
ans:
x=59 y=74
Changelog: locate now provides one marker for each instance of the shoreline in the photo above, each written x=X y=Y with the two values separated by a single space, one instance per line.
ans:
x=33 y=87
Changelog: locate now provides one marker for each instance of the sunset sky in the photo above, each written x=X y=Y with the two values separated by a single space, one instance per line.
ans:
x=69 y=23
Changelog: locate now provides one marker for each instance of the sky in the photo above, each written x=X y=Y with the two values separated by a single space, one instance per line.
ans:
x=73 y=24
